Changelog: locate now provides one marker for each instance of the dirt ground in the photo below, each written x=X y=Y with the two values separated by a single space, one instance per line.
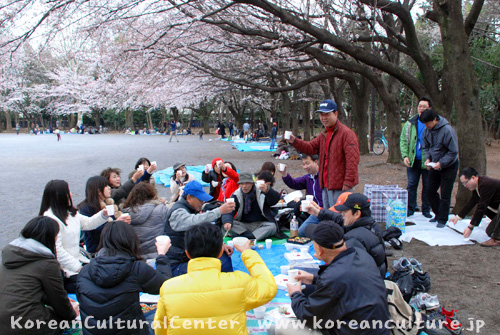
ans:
x=463 y=277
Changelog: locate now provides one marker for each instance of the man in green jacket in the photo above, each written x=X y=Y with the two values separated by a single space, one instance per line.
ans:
x=411 y=151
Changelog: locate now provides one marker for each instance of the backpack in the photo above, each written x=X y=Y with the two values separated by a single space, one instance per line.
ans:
x=404 y=319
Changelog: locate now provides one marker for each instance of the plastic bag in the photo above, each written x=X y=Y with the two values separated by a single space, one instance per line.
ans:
x=396 y=214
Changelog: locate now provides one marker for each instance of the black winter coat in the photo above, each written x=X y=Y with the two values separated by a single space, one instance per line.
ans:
x=109 y=286
x=364 y=234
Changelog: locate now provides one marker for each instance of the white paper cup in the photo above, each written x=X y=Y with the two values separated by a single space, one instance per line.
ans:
x=269 y=243
x=259 y=182
x=141 y=167
x=179 y=173
x=220 y=163
x=230 y=200
x=162 y=239
x=110 y=209
x=290 y=246
x=240 y=240
x=291 y=276
x=154 y=163
x=260 y=312
x=208 y=167
x=215 y=183
x=287 y=134
x=304 y=250
x=305 y=205
x=230 y=243
x=281 y=166
x=310 y=198
x=124 y=214
x=284 y=269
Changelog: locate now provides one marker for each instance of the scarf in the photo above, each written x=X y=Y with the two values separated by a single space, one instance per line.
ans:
x=247 y=199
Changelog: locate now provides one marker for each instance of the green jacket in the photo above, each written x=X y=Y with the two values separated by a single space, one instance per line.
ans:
x=408 y=141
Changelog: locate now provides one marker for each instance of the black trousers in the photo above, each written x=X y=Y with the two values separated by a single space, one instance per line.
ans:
x=493 y=229
x=441 y=179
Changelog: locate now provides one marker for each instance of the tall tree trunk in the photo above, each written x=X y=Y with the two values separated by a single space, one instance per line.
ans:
x=72 y=121
x=286 y=111
x=294 y=108
x=305 y=113
x=360 y=102
x=129 y=118
x=464 y=90
x=8 y=122
x=96 y=112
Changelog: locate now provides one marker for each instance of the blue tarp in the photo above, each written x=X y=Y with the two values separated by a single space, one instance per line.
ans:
x=163 y=176
x=253 y=146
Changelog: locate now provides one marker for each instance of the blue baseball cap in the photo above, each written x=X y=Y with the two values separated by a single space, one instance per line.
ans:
x=327 y=106
x=195 y=189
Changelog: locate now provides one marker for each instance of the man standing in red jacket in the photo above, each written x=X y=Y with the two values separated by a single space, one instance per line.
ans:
x=338 y=150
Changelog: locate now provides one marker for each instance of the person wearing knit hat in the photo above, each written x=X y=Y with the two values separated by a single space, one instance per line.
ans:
x=346 y=287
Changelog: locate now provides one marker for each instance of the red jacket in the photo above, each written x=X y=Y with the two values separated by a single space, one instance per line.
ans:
x=231 y=184
x=343 y=156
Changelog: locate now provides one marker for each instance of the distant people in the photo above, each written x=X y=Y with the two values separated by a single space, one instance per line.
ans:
x=274 y=134
x=178 y=180
x=267 y=166
x=246 y=130
x=120 y=192
x=200 y=133
x=97 y=197
x=222 y=130
x=31 y=285
x=253 y=215
x=440 y=147
x=230 y=127
x=347 y=289
x=57 y=204
x=187 y=297
x=184 y=214
x=17 y=128
x=58 y=134
x=109 y=287
x=411 y=146
x=486 y=199
x=173 y=130
x=148 y=216
x=338 y=151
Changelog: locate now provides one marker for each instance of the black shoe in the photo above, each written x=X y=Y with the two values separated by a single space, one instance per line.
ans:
x=427 y=215
x=409 y=214
x=417 y=209
x=433 y=219
x=441 y=225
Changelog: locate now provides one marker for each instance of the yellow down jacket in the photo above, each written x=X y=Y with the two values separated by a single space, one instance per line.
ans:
x=208 y=301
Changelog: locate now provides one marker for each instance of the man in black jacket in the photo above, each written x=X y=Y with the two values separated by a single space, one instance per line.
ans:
x=349 y=296
x=486 y=195
x=360 y=229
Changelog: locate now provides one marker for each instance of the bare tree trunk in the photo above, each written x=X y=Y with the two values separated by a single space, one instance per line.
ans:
x=360 y=102
x=72 y=121
x=285 y=112
x=129 y=118
x=306 y=119
x=8 y=123
x=294 y=114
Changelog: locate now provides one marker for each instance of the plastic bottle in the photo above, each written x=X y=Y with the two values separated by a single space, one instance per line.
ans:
x=294 y=227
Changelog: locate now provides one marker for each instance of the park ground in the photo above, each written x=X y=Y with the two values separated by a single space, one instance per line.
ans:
x=464 y=277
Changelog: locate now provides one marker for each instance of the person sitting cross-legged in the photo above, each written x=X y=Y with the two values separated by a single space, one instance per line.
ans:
x=206 y=301
x=347 y=292
x=253 y=216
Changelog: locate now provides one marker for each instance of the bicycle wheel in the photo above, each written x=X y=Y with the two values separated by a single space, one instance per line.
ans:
x=378 y=146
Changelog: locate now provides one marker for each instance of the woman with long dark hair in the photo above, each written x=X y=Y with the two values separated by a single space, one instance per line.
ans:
x=58 y=204
x=31 y=285
x=148 y=216
x=108 y=288
x=97 y=197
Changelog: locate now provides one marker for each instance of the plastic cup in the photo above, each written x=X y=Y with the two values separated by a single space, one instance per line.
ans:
x=179 y=173
x=240 y=240
x=230 y=243
x=310 y=198
x=154 y=163
x=287 y=134
x=208 y=167
x=291 y=276
x=141 y=167
x=162 y=239
x=230 y=200
x=124 y=214
x=304 y=250
x=305 y=205
x=259 y=182
x=215 y=183
x=281 y=166
x=269 y=243
x=110 y=209
x=284 y=269
x=260 y=312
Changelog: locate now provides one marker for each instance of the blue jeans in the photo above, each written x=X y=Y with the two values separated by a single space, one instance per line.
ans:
x=273 y=142
x=226 y=266
x=414 y=174
x=441 y=179
x=310 y=220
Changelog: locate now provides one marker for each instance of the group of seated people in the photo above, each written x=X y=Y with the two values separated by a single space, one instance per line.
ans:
x=194 y=272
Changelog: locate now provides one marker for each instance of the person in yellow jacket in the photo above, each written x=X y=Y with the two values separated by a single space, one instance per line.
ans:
x=206 y=300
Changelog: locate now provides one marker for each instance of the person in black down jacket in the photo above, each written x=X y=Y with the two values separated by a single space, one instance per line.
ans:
x=31 y=286
x=108 y=288
x=148 y=215
x=361 y=230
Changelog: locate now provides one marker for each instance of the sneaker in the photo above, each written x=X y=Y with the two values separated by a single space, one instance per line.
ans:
x=442 y=314
x=421 y=282
x=402 y=264
x=425 y=302
x=416 y=265
x=445 y=326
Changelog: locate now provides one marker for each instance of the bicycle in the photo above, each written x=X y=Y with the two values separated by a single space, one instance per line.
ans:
x=380 y=143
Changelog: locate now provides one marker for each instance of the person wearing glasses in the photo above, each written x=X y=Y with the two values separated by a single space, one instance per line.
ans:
x=486 y=195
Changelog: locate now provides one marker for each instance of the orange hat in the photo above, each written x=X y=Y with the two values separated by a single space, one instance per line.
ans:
x=340 y=201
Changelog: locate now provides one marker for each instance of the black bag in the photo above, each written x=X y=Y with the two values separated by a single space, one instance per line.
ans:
x=404 y=280
x=283 y=219
x=391 y=232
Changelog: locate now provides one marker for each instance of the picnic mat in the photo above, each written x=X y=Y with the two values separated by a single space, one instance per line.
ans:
x=163 y=176
x=253 y=146
x=427 y=232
